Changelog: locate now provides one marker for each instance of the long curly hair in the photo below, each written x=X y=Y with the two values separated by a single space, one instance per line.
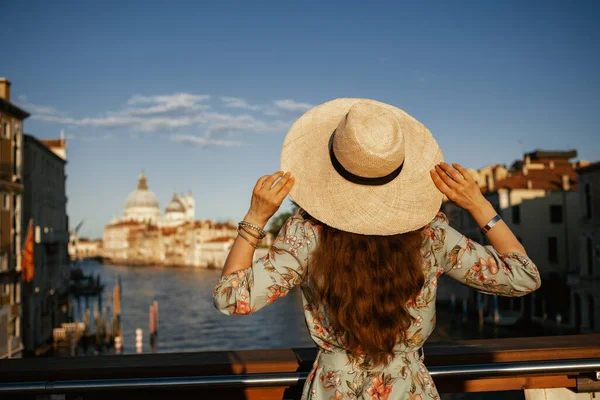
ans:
x=365 y=283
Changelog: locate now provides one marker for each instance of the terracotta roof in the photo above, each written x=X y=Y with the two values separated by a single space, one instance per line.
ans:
x=545 y=179
x=169 y=231
x=54 y=142
x=552 y=154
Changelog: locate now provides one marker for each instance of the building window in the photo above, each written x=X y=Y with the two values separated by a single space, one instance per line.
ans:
x=516 y=214
x=6 y=201
x=5 y=130
x=587 y=195
x=553 y=249
x=589 y=249
x=556 y=214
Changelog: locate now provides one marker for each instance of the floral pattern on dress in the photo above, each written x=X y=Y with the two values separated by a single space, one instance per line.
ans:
x=338 y=375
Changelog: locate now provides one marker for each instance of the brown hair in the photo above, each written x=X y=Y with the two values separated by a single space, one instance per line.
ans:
x=365 y=283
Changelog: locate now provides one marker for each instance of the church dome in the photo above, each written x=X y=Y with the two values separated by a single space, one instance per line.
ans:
x=142 y=196
x=175 y=205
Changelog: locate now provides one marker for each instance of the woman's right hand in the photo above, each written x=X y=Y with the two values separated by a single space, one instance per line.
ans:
x=458 y=186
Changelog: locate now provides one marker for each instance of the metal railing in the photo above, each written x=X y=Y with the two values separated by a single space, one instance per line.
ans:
x=591 y=366
x=532 y=363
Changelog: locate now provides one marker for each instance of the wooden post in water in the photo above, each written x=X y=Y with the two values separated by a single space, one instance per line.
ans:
x=96 y=324
x=138 y=341
x=10 y=340
x=74 y=337
x=106 y=331
x=117 y=311
x=153 y=325
x=118 y=344
x=496 y=311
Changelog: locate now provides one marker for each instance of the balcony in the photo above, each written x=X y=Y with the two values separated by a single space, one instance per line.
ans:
x=567 y=363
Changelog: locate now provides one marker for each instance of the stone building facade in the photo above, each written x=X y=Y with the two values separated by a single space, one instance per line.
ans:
x=538 y=199
x=11 y=189
x=45 y=299
x=585 y=278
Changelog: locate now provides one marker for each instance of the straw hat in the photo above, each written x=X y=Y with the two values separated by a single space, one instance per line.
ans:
x=362 y=166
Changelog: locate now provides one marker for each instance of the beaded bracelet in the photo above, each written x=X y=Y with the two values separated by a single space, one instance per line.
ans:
x=249 y=232
x=246 y=239
x=257 y=228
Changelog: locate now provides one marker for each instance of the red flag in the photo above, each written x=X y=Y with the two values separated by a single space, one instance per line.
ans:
x=27 y=265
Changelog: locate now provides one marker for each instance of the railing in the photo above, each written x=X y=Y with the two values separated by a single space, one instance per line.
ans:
x=571 y=362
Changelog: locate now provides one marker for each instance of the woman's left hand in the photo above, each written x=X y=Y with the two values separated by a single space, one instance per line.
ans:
x=267 y=197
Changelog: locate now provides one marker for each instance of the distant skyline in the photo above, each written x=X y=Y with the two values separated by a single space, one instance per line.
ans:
x=201 y=95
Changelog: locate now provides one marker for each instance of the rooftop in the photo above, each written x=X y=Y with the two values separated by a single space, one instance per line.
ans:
x=589 y=168
x=10 y=108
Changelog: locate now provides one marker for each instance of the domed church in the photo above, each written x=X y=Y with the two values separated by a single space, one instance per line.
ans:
x=145 y=236
x=142 y=206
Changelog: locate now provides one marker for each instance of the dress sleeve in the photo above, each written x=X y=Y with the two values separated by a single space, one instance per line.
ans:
x=481 y=267
x=271 y=276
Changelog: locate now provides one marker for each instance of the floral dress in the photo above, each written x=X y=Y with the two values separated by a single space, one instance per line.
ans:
x=335 y=375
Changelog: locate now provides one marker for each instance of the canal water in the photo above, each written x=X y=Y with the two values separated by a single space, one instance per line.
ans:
x=189 y=322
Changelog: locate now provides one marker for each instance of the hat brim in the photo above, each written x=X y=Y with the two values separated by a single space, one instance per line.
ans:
x=405 y=204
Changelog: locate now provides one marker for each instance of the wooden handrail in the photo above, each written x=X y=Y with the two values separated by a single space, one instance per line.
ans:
x=231 y=363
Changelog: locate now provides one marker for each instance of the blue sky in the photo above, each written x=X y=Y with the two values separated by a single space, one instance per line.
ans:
x=200 y=95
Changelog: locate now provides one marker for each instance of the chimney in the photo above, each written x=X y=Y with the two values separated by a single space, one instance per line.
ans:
x=566 y=183
x=527 y=160
x=490 y=183
x=5 y=89
x=529 y=184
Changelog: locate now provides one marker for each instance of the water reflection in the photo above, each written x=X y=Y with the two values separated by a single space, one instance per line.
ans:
x=188 y=321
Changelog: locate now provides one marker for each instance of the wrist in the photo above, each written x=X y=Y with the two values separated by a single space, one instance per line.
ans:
x=482 y=205
x=255 y=219
x=483 y=212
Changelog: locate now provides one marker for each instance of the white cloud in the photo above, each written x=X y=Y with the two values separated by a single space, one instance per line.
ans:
x=215 y=122
x=167 y=103
x=271 y=111
x=204 y=141
x=170 y=113
x=227 y=123
x=34 y=108
x=237 y=102
x=291 y=105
